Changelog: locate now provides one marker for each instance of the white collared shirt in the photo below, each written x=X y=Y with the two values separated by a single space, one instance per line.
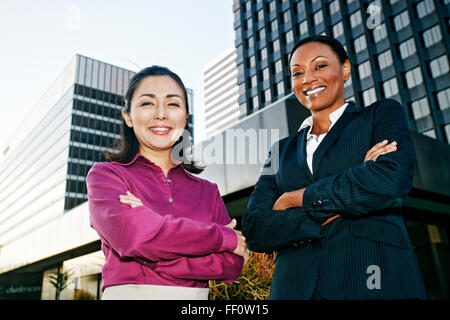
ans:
x=313 y=140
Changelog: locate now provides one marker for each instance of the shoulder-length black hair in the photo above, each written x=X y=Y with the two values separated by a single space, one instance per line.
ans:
x=128 y=145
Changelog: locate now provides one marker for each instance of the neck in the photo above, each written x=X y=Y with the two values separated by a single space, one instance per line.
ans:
x=321 y=119
x=162 y=158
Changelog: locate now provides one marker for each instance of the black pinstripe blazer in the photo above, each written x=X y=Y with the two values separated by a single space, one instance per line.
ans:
x=367 y=253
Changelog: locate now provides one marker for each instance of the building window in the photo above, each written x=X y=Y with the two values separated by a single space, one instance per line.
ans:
x=261 y=34
x=369 y=96
x=247 y=6
x=380 y=33
x=338 y=29
x=424 y=8
x=318 y=18
x=278 y=66
x=413 y=77
x=334 y=7
x=360 y=43
x=430 y=133
x=447 y=132
x=420 y=108
x=255 y=101
x=263 y=53
x=407 y=48
x=273 y=26
x=267 y=96
x=272 y=6
x=385 y=59
x=439 y=66
x=248 y=24
x=432 y=36
x=249 y=43
x=285 y=17
x=265 y=74
x=280 y=88
x=253 y=82
x=303 y=28
x=288 y=37
x=390 y=88
x=401 y=21
x=275 y=46
x=364 y=70
x=355 y=19
x=443 y=98
x=260 y=15
x=251 y=62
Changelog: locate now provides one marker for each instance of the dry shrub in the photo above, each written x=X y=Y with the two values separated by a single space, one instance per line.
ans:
x=253 y=284
x=81 y=294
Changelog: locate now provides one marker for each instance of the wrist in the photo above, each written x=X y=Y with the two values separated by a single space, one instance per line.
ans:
x=296 y=198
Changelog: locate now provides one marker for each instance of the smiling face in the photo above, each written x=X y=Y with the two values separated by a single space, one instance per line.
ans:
x=157 y=113
x=318 y=76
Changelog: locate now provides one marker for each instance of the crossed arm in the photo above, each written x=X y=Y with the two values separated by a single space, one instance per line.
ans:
x=141 y=233
x=274 y=221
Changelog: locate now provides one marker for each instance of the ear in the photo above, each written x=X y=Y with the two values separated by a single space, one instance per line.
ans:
x=346 y=70
x=127 y=118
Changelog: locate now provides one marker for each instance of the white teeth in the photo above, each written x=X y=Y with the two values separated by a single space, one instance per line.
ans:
x=160 y=129
x=314 y=91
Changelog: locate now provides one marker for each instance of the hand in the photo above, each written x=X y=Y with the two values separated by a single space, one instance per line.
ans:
x=241 y=248
x=130 y=199
x=289 y=199
x=379 y=149
x=330 y=219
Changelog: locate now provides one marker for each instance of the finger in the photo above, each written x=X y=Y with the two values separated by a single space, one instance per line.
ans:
x=331 y=219
x=131 y=202
x=378 y=146
x=232 y=224
x=129 y=196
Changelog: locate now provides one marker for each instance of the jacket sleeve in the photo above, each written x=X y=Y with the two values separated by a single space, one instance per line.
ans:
x=141 y=232
x=373 y=185
x=223 y=266
x=268 y=230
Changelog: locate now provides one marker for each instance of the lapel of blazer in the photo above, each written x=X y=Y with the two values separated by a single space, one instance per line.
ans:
x=350 y=111
x=301 y=152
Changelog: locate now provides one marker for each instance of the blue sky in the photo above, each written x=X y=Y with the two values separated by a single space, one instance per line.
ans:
x=38 y=39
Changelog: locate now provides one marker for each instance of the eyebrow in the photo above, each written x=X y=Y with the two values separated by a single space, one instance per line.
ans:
x=296 y=65
x=151 y=95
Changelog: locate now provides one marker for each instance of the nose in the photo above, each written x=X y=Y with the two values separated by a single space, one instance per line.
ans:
x=308 y=76
x=161 y=112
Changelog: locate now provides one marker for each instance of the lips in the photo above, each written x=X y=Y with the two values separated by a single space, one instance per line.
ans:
x=314 y=91
x=160 y=130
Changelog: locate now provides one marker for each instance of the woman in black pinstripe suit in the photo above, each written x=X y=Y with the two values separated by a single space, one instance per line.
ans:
x=329 y=207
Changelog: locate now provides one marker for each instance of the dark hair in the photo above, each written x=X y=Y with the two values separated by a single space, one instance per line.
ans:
x=128 y=145
x=334 y=44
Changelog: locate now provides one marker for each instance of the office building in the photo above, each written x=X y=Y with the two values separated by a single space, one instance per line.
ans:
x=221 y=92
x=398 y=49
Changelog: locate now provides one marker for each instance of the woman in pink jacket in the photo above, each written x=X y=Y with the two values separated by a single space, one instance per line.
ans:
x=164 y=232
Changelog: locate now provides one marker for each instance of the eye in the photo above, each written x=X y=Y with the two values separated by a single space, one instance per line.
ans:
x=174 y=104
x=297 y=74
x=146 y=103
x=321 y=66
